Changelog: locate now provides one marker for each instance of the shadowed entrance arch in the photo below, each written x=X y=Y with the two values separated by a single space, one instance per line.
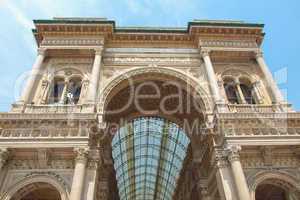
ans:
x=270 y=192
x=166 y=102
x=37 y=191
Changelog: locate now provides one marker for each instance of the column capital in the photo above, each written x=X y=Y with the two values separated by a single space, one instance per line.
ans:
x=98 y=50
x=256 y=83
x=81 y=154
x=203 y=187
x=233 y=153
x=259 y=53
x=220 y=159
x=204 y=52
x=41 y=51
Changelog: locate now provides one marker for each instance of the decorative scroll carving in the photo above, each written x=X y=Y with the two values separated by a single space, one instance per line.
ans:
x=81 y=154
x=219 y=158
x=233 y=152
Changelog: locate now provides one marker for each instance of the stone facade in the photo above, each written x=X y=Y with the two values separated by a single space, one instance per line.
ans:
x=55 y=140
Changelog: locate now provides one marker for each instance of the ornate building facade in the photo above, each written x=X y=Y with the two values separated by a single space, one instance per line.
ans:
x=112 y=113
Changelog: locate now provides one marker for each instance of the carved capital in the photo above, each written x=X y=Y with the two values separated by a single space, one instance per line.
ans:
x=81 y=154
x=259 y=54
x=203 y=188
x=98 y=50
x=93 y=163
x=233 y=153
x=220 y=158
x=42 y=51
x=204 y=52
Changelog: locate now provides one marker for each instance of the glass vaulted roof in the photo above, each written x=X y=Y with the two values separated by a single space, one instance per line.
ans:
x=148 y=155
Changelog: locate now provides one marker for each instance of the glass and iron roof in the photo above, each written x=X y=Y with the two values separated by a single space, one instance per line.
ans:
x=148 y=155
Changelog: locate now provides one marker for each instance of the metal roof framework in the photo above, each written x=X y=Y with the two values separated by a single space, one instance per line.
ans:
x=148 y=155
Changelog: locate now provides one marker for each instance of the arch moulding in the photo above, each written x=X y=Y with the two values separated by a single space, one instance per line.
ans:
x=283 y=180
x=39 y=178
x=177 y=74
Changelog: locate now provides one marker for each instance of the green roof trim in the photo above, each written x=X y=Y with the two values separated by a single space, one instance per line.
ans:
x=225 y=23
x=95 y=21
x=75 y=21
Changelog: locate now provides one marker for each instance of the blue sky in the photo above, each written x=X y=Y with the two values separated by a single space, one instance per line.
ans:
x=281 y=45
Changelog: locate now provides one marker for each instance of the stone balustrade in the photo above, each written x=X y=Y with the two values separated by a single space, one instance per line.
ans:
x=252 y=108
x=44 y=133
x=55 y=108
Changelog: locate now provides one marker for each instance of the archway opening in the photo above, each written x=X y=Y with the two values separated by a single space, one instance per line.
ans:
x=152 y=100
x=270 y=192
x=37 y=191
x=148 y=155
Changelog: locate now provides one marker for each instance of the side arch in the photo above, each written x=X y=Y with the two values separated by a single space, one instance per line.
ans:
x=206 y=103
x=283 y=180
x=48 y=179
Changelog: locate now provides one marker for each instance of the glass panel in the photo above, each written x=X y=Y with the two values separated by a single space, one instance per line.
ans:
x=56 y=90
x=148 y=153
x=74 y=90
x=247 y=92
x=231 y=93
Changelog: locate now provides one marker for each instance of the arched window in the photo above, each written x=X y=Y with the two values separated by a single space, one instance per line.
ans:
x=56 y=90
x=247 y=93
x=74 y=91
x=230 y=91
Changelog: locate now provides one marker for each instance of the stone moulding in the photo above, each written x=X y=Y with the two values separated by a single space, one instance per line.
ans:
x=74 y=41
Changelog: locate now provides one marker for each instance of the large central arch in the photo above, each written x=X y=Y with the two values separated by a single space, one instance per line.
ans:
x=128 y=177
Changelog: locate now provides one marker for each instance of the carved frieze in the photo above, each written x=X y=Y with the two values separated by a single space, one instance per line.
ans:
x=65 y=41
x=228 y=43
x=184 y=61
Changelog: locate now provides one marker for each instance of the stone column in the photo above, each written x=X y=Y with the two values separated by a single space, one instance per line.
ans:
x=79 y=174
x=35 y=72
x=238 y=174
x=257 y=92
x=92 y=175
x=271 y=84
x=93 y=86
x=63 y=97
x=240 y=92
x=224 y=178
x=212 y=80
